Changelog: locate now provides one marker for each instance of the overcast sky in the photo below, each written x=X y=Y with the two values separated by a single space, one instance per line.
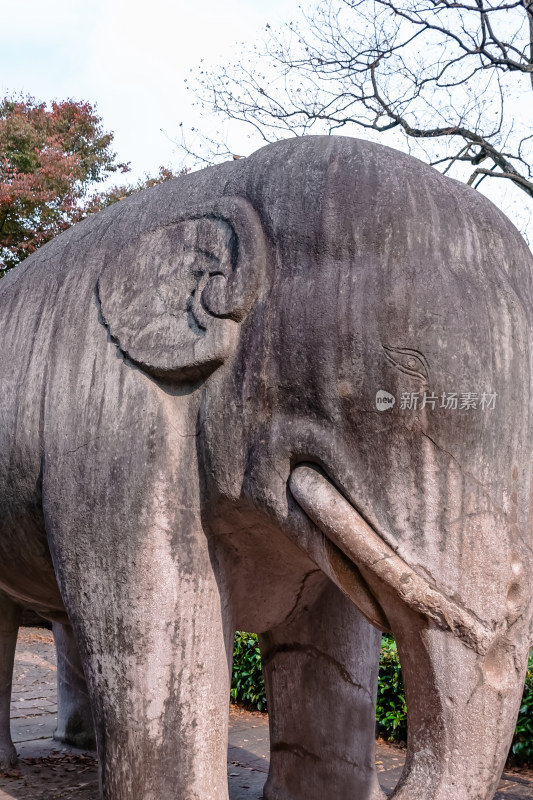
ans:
x=129 y=58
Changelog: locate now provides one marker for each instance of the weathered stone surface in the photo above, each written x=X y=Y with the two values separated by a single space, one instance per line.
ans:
x=75 y=723
x=223 y=402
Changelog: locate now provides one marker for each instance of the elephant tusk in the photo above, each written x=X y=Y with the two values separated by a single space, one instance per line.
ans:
x=350 y=581
x=342 y=524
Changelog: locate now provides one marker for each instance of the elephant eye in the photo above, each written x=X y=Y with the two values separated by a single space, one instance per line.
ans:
x=412 y=362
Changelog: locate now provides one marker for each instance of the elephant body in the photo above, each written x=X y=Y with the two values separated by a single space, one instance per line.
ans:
x=191 y=442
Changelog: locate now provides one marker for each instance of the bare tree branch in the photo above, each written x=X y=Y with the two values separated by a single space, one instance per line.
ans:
x=452 y=79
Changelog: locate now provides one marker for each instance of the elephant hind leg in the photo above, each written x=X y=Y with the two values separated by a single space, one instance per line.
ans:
x=320 y=671
x=10 y=616
x=74 y=717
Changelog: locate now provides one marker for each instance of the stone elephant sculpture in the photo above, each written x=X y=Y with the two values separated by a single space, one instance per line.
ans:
x=287 y=394
x=74 y=717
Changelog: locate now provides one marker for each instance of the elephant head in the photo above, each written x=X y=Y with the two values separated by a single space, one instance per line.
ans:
x=359 y=329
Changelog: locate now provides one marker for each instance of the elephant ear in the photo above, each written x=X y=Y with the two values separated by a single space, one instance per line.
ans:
x=174 y=298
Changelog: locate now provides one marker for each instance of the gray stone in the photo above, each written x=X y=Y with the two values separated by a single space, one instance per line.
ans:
x=228 y=402
x=75 y=723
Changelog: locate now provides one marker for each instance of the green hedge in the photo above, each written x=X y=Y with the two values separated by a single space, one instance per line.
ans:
x=248 y=687
x=522 y=747
x=391 y=712
x=247 y=684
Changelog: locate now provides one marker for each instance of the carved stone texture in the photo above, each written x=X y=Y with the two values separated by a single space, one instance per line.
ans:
x=288 y=394
x=74 y=716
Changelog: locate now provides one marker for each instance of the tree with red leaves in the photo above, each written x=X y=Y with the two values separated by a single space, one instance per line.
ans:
x=116 y=193
x=49 y=159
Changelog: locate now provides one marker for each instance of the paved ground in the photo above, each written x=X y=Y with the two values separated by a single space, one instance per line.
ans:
x=48 y=771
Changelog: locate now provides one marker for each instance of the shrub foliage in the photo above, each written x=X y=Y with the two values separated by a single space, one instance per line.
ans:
x=391 y=711
x=247 y=684
x=522 y=748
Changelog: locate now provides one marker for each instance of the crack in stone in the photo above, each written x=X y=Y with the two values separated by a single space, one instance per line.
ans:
x=466 y=474
x=302 y=752
x=314 y=652
x=300 y=592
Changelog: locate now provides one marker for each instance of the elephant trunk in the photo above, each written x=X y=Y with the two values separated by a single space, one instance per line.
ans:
x=463 y=677
x=461 y=708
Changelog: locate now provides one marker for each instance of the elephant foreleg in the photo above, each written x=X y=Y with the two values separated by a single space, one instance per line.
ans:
x=10 y=615
x=320 y=672
x=153 y=642
x=74 y=716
